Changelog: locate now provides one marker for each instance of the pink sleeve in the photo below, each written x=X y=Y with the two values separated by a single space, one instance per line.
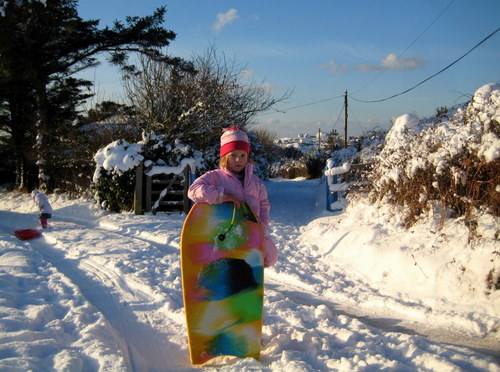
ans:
x=265 y=207
x=204 y=190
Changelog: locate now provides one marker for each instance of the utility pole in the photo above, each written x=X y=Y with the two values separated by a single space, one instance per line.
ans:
x=319 y=139
x=345 y=119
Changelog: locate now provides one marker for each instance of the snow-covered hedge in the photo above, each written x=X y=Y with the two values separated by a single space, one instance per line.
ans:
x=116 y=164
x=302 y=158
x=448 y=164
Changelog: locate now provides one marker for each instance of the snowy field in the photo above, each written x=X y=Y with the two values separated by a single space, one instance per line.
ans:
x=352 y=291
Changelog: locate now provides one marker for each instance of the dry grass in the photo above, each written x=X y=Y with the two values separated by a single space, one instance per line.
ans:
x=456 y=196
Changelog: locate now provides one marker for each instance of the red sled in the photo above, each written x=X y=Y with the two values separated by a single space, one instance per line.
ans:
x=26 y=234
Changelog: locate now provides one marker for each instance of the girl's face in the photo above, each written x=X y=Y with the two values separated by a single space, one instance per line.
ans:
x=236 y=161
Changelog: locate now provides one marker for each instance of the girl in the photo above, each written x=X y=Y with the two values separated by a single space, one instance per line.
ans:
x=43 y=206
x=235 y=181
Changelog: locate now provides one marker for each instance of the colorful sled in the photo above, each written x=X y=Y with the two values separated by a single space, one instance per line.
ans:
x=222 y=261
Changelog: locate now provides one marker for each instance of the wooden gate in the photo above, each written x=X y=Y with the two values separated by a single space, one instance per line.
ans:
x=347 y=172
x=162 y=192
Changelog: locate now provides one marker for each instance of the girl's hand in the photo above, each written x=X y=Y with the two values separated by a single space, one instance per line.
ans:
x=232 y=198
x=271 y=252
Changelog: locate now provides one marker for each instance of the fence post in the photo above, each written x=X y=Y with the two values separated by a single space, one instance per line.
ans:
x=148 y=193
x=186 y=203
x=331 y=197
x=138 y=189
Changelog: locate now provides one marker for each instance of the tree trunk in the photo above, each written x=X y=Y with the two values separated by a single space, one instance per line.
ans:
x=20 y=142
x=40 y=144
x=21 y=173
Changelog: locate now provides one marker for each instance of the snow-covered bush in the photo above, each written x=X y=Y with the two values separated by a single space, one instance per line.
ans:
x=306 y=156
x=115 y=174
x=315 y=163
x=289 y=169
x=293 y=163
x=448 y=164
x=114 y=177
x=158 y=151
x=307 y=165
x=259 y=155
x=371 y=145
x=443 y=171
x=286 y=162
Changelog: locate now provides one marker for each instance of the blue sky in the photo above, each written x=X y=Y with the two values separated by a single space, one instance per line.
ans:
x=373 y=49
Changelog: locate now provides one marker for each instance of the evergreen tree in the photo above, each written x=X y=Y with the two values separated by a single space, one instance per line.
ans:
x=43 y=44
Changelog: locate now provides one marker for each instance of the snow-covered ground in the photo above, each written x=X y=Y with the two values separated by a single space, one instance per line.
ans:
x=352 y=291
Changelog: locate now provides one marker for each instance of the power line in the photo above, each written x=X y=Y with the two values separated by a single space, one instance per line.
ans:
x=424 y=31
x=338 y=118
x=284 y=111
x=411 y=44
x=356 y=120
x=430 y=77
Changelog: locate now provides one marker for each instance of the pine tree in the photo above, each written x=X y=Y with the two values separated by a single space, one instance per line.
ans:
x=43 y=44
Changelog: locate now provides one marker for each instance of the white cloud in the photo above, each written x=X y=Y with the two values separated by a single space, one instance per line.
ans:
x=223 y=19
x=390 y=62
x=247 y=74
x=334 y=67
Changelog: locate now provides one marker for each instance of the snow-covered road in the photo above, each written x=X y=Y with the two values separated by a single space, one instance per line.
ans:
x=354 y=296
x=102 y=291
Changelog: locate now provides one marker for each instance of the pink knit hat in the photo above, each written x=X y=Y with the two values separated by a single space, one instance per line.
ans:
x=233 y=139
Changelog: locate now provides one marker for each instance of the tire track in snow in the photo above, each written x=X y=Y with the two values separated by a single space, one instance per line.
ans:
x=93 y=292
x=111 y=278
x=144 y=347
x=388 y=314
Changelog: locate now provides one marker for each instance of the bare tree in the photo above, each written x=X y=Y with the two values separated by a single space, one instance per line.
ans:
x=193 y=106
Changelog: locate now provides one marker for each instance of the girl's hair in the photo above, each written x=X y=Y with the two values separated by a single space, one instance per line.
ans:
x=223 y=161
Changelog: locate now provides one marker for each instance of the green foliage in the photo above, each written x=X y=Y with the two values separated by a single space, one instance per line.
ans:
x=43 y=44
x=115 y=192
x=287 y=162
x=333 y=141
x=108 y=110
x=289 y=153
x=315 y=164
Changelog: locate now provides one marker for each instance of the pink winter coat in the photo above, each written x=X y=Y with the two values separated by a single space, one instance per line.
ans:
x=212 y=186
